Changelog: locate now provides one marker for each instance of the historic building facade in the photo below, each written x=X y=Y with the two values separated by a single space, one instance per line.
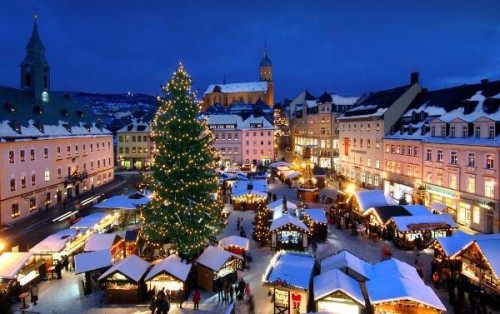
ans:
x=51 y=149
x=134 y=146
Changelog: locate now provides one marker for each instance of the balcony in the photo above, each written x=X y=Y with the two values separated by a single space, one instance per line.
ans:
x=75 y=177
x=491 y=172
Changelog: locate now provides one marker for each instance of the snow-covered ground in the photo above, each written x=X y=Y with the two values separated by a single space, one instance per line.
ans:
x=65 y=296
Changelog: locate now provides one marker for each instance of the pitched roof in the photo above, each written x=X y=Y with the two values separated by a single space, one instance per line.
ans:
x=406 y=223
x=132 y=267
x=345 y=259
x=101 y=241
x=287 y=220
x=238 y=87
x=172 y=265
x=292 y=268
x=12 y=262
x=334 y=280
x=384 y=213
x=370 y=198
x=85 y=262
x=214 y=258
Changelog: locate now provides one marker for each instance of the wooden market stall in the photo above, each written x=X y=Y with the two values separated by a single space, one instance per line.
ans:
x=170 y=274
x=235 y=244
x=348 y=263
x=362 y=200
x=123 y=281
x=290 y=233
x=395 y=294
x=279 y=207
x=109 y=242
x=90 y=266
x=336 y=292
x=131 y=242
x=17 y=271
x=215 y=263
x=315 y=219
x=128 y=207
x=289 y=279
x=97 y=222
x=248 y=195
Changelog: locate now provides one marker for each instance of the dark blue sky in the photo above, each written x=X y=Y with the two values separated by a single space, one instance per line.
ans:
x=349 y=47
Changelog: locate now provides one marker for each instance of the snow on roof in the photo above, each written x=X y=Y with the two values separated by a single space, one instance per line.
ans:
x=132 y=267
x=394 y=267
x=89 y=221
x=292 y=268
x=85 y=262
x=389 y=289
x=286 y=220
x=278 y=204
x=417 y=210
x=122 y=202
x=404 y=223
x=259 y=187
x=370 y=198
x=334 y=280
x=241 y=124
x=55 y=242
x=172 y=265
x=345 y=259
x=380 y=112
x=311 y=103
x=239 y=87
x=11 y=263
x=343 y=100
x=316 y=214
x=291 y=174
x=214 y=258
x=281 y=163
x=491 y=251
x=237 y=241
x=459 y=240
x=100 y=241
x=390 y=200
x=473 y=116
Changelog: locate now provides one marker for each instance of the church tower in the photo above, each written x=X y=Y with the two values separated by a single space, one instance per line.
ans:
x=35 y=70
x=266 y=75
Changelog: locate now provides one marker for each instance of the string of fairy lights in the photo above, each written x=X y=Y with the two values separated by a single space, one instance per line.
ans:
x=183 y=209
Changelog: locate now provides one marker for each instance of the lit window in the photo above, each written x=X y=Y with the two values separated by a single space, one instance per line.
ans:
x=47 y=175
x=472 y=160
x=58 y=151
x=23 y=182
x=32 y=154
x=453 y=181
x=490 y=162
x=439 y=156
x=453 y=158
x=489 y=188
x=15 y=210
x=471 y=184
x=33 y=179
x=45 y=153
x=12 y=185
x=476 y=214
x=22 y=155
x=11 y=157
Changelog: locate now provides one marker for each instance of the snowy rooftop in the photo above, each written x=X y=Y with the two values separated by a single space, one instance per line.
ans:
x=172 y=265
x=345 y=259
x=343 y=100
x=278 y=204
x=292 y=268
x=452 y=245
x=370 y=198
x=282 y=163
x=384 y=290
x=258 y=187
x=417 y=210
x=394 y=268
x=214 y=258
x=85 y=262
x=287 y=220
x=136 y=126
x=55 y=242
x=407 y=223
x=11 y=263
x=316 y=214
x=133 y=267
x=235 y=241
x=88 y=221
x=491 y=251
x=122 y=202
x=239 y=87
x=241 y=124
x=334 y=280
x=100 y=241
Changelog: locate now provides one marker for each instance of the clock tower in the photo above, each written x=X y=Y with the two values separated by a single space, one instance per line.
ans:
x=35 y=70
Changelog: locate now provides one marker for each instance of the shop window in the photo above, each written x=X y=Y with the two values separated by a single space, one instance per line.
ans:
x=476 y=215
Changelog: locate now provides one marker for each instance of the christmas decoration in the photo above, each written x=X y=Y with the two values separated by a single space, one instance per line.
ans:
x=261 y=225
x=184 y=209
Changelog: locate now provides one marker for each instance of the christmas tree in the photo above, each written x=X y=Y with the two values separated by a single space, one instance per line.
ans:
x=183 y=210
x=261 y=225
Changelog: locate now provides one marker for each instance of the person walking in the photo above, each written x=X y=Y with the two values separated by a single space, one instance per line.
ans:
x=196 y=299
x=218 y=287
x=435 y=279
x=34 y=289
x=226 y=291
x=231 y=292
x=238 y=221
x=162 y=304
x=181 y=297
x=152 y=305
x=251 y=305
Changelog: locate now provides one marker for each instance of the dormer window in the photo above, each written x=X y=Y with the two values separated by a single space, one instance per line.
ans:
x=465 y=131
x=443 y=131
x=477 y=131
x=491 y=131
x=414 y=116
x=422 y=115
x=433 y=131
x=452 y=131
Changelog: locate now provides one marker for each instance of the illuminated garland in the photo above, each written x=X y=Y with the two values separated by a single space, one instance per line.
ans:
x=183 y=209
x=261 y=225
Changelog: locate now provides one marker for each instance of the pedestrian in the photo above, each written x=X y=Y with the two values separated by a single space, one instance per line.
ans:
x=65 y=263
x=435 y=279
x=163 y=305
x=238 y=221
x=218 y=287
x=241 y=289
x=251 y=305
x=231 y=292
x=34 y=289
x=152 y=305
x=196 y=299
x=225 y=287
x=71 y=261
x=181 y=297
x=58 y=269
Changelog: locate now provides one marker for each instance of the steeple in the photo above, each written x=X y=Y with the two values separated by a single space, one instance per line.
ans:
x=266 y=68
x=35 y=70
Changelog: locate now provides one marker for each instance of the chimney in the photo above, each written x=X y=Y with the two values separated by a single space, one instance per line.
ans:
x=484 y=81
x=250 y=186
x=414 y=78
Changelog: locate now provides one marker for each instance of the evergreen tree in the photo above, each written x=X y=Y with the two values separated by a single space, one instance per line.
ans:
x=262 y=225
x=183 y=210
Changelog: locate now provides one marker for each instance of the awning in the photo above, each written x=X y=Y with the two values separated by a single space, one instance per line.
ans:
x=438 y=206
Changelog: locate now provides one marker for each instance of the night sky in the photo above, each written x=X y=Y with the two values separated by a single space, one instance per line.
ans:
x=347 y=47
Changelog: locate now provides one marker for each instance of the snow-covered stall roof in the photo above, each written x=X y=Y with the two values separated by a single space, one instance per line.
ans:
x=281 y=163
x=316 y=214
x=287 y=220
x=85 y=262
x=132 y=267
x=214 y=258
x=334 y=280
x=12 y=262
x=236 y=241
x=417 y=210
x=390 y=289
x=438 y=206
x=258 y=187
x=370 y=198
x=122 y=202
x=459 y=240
x=427 y=222
x=291 y=268
x=491 y=251
x=55 y=242
x=291 y=174
x=394 y=268
x=345 y=259
x=88 y=221
x=278 y=204
x=100 y=241
x=172 y=265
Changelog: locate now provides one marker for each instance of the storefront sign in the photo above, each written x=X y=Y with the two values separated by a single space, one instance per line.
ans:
x=281 y=298
x=441 y=191
x=480 y=202
x=429 y=226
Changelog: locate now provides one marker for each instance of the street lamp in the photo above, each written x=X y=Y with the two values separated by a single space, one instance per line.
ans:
x=2 y=246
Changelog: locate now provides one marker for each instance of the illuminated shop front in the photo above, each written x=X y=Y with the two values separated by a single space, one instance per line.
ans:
x=398 y=190
x=338 y=293
x=169 y=274
x=215 y=263
x=19 y=268
x=248 y=195
x=449 y=198
x=289 y=233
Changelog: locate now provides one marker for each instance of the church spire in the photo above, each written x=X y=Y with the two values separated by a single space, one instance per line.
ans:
x=35 y=70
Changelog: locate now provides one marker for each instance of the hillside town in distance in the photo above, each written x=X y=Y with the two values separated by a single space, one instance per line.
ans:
x=232 y=201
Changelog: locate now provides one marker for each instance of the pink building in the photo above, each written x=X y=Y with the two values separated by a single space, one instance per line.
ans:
x=50 y=148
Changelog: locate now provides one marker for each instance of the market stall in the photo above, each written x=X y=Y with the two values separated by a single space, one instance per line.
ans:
x=289 y=279
x=170 y=274
x=362 y=200
x=289 y=233
x=349 y=264
x=131 y=242
x=97 y=222
x=336 y=292
x=123 y=281
x=109 y=242
x=315 y=219
x=248 y=195
x=235 y=244
x=215 y=263
x=401 y=295
x=90 y=266
x=278 y=207
x=19 y=268
x=127 y=206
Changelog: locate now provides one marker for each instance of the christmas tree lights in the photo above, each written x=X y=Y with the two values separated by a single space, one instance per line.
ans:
x=184 y=210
